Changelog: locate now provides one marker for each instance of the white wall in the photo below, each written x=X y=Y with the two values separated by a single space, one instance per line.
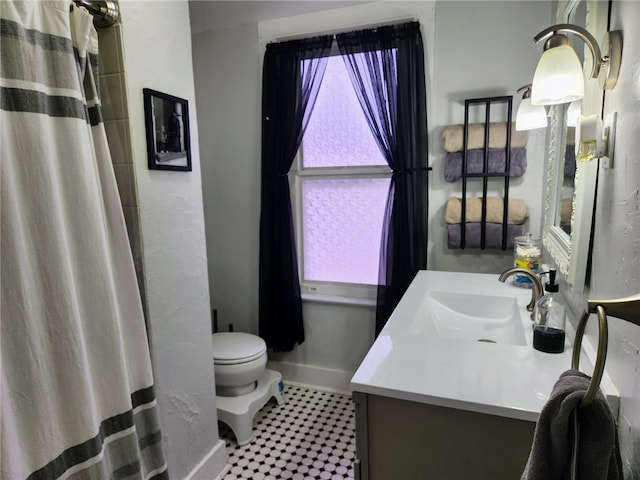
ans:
x=157 y=55
x=228 y=75
x=231 y=83
x=337 y=336
x=228 y=80
x=157 y=51
x=483 y=49
x=616 y=244
x=227 y=65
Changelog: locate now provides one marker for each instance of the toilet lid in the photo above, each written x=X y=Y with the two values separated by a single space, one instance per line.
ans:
x=234 y=347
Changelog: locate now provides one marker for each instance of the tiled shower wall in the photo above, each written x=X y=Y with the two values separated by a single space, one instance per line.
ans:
x=116 y=122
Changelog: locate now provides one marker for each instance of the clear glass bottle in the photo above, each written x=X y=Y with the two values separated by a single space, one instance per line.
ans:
x=527 y=252
x=550 y=319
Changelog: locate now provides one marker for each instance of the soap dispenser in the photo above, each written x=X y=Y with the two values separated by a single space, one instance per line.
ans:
x=550 y=319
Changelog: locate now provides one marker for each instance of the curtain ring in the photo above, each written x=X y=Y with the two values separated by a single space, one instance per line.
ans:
x=601 y=357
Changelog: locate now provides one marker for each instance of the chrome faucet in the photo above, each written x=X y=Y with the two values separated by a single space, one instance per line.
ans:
x=536 y=291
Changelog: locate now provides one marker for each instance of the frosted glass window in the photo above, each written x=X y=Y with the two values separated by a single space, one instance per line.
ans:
x=337 y=133
x=342 y=228
x=341 y=192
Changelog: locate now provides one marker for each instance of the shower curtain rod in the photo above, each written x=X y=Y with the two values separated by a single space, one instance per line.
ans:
x=106 y=12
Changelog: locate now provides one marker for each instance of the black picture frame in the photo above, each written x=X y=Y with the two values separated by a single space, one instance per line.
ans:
x=167 y=127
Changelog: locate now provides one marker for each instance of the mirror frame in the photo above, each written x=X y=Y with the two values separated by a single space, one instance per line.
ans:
x=570 y=253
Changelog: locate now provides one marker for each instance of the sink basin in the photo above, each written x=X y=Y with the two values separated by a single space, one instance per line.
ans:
x=429 y=353
x=484 y=318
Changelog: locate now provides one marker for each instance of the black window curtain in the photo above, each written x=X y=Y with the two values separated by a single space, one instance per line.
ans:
x=386 y=66
x=291 y=77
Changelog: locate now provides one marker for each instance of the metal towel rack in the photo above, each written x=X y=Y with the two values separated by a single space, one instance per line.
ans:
x=628 y=309
x=485 y=175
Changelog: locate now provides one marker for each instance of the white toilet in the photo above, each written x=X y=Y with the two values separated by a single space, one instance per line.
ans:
x=243 y=385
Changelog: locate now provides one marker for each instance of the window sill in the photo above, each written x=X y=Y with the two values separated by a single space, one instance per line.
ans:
x=336 y=300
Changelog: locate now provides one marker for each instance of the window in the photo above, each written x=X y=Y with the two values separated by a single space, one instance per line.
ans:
x=341 y=187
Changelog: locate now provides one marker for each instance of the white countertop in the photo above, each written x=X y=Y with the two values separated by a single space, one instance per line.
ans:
x=409 y=362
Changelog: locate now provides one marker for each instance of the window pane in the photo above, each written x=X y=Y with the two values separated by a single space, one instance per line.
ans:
x=342 y=226
x=338 y=134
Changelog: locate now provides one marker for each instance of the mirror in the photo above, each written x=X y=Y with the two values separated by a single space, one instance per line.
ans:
x=577 y=16
x=567 y=190
x=569 y=199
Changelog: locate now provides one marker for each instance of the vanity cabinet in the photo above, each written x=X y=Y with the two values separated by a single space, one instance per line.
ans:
x=400 y=439
x=435 y=400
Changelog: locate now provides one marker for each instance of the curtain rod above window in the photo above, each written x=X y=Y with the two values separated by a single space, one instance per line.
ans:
x=106 y=12
x=352 y=28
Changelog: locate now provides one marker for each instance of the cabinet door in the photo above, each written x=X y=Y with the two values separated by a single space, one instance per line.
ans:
x=414 y=441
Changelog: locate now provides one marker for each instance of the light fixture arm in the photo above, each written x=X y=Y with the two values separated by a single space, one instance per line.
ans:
x=526 y=90
x=550 y=32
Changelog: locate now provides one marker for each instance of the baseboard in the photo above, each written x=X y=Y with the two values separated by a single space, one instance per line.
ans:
x=213 y=465
x=326 y=379
x=222 y=474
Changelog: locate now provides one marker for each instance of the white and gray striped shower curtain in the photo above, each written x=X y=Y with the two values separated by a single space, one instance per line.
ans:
x=76 y=382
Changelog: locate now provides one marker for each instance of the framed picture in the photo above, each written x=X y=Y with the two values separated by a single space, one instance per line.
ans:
x=167 y=125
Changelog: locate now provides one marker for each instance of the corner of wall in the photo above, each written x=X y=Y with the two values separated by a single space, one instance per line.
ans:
x=157 y=54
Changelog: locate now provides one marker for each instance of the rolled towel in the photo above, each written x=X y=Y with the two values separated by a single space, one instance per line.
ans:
x=517 y=211
x=453 y=134
x=475 y=162
x=473 y=232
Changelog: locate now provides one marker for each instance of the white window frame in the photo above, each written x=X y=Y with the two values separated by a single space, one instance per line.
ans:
x=297 y=175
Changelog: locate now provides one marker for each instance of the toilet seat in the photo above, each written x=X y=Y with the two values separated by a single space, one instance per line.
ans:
x=233 y=348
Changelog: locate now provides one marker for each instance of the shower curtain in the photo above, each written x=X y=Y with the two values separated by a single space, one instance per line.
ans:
x=76 y=382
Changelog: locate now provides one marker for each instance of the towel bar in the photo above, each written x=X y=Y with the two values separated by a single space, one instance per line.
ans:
x=601 y=357
x=624 y=308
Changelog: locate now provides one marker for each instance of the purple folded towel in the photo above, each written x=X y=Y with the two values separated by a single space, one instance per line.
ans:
x=598 y=452
x=475 y=162
x=493 y=235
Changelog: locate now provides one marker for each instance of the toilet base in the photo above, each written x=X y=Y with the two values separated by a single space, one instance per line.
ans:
x=238 y=412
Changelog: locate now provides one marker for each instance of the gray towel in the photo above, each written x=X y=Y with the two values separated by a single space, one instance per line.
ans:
x=475 y=162
x=473 y=231
x=598 y=453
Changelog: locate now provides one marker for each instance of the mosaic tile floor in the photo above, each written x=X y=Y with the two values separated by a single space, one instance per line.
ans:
x=311 y=436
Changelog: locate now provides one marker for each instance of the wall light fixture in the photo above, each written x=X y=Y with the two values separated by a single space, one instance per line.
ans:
x=559 y=78
x=529 y=117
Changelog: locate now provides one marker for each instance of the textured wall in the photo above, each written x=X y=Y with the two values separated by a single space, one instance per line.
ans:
x=228 y=96
x=616 y=243
x=228 y=89
x=228 y=93
x=157 y=55
x=473 y=60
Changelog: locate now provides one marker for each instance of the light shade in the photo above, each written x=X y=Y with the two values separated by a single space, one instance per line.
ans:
x=530 y=117
x=558 y=77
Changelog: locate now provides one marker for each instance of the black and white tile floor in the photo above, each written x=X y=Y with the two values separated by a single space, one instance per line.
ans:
x=311 y=436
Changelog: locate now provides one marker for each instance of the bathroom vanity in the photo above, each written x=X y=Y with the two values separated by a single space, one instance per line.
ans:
x=452 y=387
